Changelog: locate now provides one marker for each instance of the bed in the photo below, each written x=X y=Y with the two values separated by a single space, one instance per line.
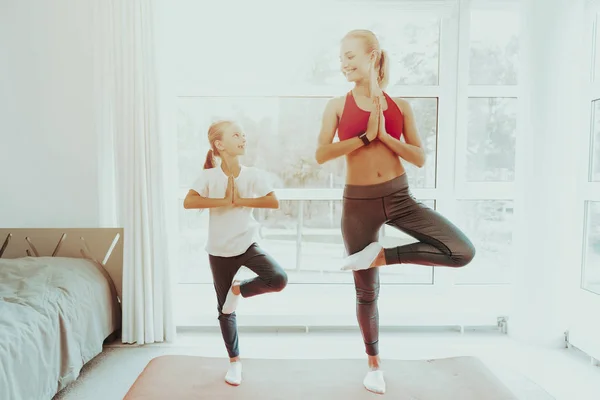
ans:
x=60 y=292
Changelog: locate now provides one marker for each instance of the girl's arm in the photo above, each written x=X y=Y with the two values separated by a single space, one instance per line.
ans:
x=261 y=187
x=268 y=201
x=194 y=200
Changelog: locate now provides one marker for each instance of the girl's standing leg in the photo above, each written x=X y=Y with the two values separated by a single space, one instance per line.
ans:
x=223 y=271
x=271 y=278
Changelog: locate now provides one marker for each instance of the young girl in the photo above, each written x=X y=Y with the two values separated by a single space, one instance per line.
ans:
x=231 y=190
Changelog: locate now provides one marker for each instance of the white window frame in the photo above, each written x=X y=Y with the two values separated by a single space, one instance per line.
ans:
x=441 y=303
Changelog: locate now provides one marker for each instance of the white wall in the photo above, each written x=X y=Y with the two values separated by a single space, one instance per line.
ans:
x=48 y=147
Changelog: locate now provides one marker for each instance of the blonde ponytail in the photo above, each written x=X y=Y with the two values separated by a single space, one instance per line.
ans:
x=383 y=75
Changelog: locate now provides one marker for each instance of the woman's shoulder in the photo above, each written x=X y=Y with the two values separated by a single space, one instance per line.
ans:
x=340 y=99
x=402 y=103
x=337 y=102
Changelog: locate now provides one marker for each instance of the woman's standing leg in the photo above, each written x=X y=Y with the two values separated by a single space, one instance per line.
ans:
x=361 y=222
x=223 y=271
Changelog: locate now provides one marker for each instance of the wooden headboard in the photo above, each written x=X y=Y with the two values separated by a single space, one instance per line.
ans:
x=102 y=245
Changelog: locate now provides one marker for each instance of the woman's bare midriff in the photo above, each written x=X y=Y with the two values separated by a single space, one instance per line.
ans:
x=372 y=164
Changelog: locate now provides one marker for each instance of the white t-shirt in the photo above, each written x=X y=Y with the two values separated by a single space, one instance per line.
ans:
x=231 y=230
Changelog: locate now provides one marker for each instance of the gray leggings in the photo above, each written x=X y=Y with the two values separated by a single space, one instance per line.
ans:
x=271 y=278
x=365 y=210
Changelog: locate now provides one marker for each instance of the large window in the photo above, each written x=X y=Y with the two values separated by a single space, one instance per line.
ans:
x=454 y=63
x=486 y=138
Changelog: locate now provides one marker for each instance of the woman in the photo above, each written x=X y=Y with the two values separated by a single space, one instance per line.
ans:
x=231 y=190
x=369 y=125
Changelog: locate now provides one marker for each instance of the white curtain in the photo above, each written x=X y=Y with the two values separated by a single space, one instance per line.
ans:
x=131 y=178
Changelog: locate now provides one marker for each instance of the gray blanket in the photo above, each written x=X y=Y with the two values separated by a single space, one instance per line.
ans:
x=54 y=316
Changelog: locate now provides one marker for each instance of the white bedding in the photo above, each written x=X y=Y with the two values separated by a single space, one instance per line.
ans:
x=54 y=316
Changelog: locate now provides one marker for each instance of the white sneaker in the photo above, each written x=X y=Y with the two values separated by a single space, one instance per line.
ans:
x=363 y=259
x=374 y=382
x=234 y=373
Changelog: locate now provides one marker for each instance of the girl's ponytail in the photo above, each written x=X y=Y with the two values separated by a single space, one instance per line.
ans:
x=210 y=160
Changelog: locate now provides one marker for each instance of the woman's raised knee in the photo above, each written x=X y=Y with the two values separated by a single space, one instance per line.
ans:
x=463 y=254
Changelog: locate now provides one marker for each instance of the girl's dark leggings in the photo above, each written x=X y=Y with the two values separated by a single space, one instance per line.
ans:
x=365 y=210
x=271 y=278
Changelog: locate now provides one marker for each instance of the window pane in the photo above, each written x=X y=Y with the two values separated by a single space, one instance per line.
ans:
x=392 y=237
x=494 y=47
x=489 y=225
x=193 y=233
x=412 y=41
x=413 y=44
x=290 y=151
x=282 y=138
x=322 y=247
x=595 y=162
x=591 y=268
x=491 y=139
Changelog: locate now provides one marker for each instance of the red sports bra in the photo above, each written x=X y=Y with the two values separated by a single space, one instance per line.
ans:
x=354 y=119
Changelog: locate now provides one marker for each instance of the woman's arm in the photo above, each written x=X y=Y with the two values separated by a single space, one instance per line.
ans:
x=194 y=200
x=327 y=150
x=411 y=150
